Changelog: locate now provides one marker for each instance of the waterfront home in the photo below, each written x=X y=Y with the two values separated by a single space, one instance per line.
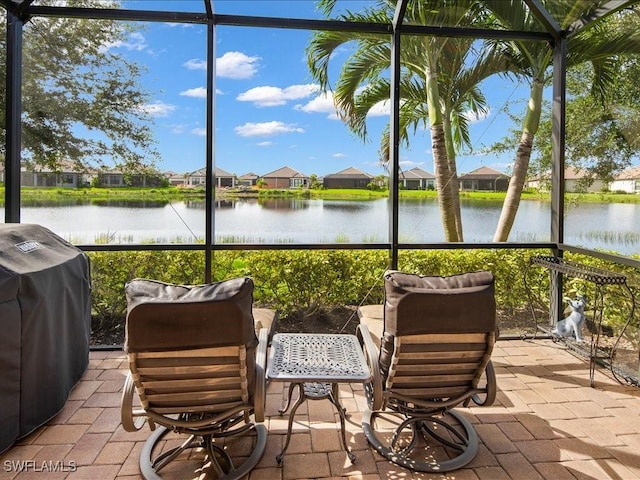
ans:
x=348 y=178
x=627 y=181
x=417 y=179
x=484 y=178
x=285 y=177
x=114 y=177
x=248 y=179
x=199 y=178
x=174 y=179
x=66 y=174
x=575 y=180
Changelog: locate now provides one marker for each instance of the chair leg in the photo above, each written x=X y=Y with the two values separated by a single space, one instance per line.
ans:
x=458 y=438
x=226 y=470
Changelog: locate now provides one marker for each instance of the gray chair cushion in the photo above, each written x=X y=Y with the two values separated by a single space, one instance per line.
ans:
x=417 y=304
x=162 y=316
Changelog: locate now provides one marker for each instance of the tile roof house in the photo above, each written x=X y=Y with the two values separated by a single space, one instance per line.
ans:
x=285 y=177
x=575 y=180
x=627 y=181
x=348 y=178
x=175 y=179
x=417 y=179
x=486 y=179
x=248 y=179
x=66 y=174
x=199 y=177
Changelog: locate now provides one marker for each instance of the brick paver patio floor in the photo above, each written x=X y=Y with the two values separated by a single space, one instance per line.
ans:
x=547 y=423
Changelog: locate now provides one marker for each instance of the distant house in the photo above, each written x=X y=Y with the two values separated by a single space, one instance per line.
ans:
x=66 y=174
x=285 y=177
x=627 y=181
x=575 y=180
x=111 y=178
x=199 y=178
x=248 y=179
x=417 y=179
x=174 y=179
x=348 y=178
x=115 y=178
x=484 y=179
x=579 y=180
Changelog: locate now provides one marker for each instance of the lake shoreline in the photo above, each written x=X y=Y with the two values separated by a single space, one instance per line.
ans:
x=178 y=193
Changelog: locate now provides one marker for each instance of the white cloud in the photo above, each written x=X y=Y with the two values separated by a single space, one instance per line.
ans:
x=177 y=129
x=473 y=118
x=236 y=65
x=266 y=129
x=267 y=96
x=135 y=41
x=195 y=64
x=380 y=109
x=323 y=103
x=198 y=92
x=409 y=164
x=264 y=144
x=158 y=109
x=339 y=155
x=201 y=132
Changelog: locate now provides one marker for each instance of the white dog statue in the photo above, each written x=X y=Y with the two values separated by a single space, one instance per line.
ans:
x=572 y=325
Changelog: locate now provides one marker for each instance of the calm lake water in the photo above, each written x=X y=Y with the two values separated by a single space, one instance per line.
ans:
x=613 y=227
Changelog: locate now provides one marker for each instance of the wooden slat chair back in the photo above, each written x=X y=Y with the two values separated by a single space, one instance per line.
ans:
x=196 y=365
x=434 y=355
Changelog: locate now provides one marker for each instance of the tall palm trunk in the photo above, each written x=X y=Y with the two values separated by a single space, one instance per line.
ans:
x=446 y=200
x=443 y=183
x=521 y=165
x=453 y=184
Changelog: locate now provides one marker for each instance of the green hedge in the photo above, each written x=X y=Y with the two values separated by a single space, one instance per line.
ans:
x=308 y=282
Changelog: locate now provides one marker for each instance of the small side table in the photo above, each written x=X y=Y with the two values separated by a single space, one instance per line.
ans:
x=315 y=364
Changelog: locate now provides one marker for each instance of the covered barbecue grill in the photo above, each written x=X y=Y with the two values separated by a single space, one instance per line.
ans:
x=45 y=320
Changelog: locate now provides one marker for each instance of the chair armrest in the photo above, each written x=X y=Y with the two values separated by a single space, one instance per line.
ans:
x=372 y=355
x=132 y=418
x=259 y=397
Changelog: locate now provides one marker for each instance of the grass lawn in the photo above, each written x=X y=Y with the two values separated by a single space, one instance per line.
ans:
x=167 y=193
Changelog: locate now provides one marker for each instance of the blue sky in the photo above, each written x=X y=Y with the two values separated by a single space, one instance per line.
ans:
x=269 y=113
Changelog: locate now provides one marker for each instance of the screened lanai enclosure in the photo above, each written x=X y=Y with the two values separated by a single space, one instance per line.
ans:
x=249 y=104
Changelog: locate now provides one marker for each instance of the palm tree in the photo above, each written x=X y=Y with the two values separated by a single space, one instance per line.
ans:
x=439 y=85
x=599 y=45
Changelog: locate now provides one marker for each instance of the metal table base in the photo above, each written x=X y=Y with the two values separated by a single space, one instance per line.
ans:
x=315 y=364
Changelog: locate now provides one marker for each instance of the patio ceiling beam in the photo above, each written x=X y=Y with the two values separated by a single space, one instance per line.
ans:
x=113 y=14
x=17 y=8
x=208 y=7
x=13 y=114
x=202 y=18
x=464 y=32
x=394 y=132
x=276 y=22
x=541 y=13
x=398 y=16
x=608 y=8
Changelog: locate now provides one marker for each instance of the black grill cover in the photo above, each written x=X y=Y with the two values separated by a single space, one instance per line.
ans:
x=45 y=319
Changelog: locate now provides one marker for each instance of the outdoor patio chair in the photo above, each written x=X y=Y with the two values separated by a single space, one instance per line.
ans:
x=433 y=355
x=197 y=369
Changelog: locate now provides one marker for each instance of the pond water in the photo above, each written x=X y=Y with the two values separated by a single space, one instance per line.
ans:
x=611 y=226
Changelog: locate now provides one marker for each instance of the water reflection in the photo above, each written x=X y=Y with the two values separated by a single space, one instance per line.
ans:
x=101 y=202
x=612 y=227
